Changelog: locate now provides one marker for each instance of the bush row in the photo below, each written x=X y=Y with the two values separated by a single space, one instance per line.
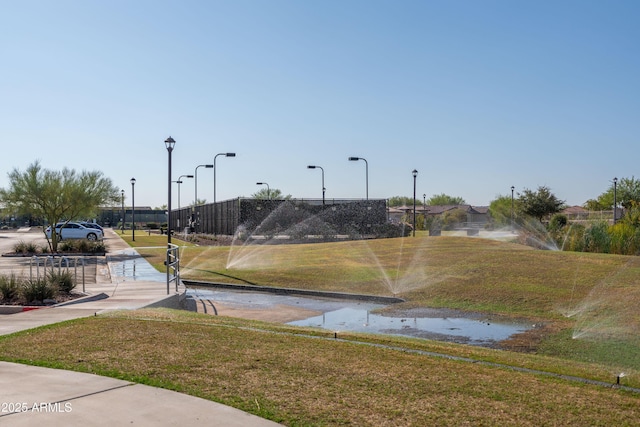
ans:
x=18 y=290
x=622 y=238
x=65 y=246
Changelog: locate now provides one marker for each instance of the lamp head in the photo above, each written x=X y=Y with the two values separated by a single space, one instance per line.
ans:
x=170 y=143
x=133 y=181
x=414 y=173
x=230 y=154
x=311 y=167
x=354 y=158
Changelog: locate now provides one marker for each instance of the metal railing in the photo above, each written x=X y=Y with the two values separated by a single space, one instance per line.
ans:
x=173 y=266
x=50 y=262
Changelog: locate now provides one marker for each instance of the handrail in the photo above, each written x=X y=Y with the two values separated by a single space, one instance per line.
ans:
x=173 y=266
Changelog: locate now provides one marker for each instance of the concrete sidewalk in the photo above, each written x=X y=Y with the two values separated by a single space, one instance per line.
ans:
x=40 y=396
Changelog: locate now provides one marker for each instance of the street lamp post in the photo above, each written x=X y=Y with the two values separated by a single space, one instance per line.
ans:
x=169 y=143
x=615 y=200
x=512 y=188
x=195 y=202
x=323 y=188
x=179 y=181
x=415 y=174
x=424 y=209
x=133 y=210
x=268 y=189
x=215 y=169
x=355 y=159
x=122 y=222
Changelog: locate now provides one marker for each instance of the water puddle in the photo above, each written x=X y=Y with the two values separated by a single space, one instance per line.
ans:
x=355 y=316
x=481 y=332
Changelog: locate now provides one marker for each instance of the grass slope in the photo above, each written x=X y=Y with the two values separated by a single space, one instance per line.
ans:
x=299 y=379
x=586 y=302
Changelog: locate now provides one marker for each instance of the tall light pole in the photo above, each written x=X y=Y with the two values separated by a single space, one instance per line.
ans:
x=512 y=188
x=268 y=189
x=179 y=181
x=323 y=188
x=133 y=210
x=415 y=175
x=424 y=208
x=215 y=169
x=355 y=159
x=195 y=202
x=169 y=143
x=615 y=200
x=122 y=222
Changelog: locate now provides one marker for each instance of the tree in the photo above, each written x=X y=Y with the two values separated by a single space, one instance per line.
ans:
x=443 y=200
x=539 y=204
x=627 y=192
x=403 y=201
x=500 y=210
x=57 y=196
x=453 y=217
x=270 y=194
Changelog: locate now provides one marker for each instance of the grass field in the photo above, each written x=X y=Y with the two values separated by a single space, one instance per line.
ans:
x=584 y=302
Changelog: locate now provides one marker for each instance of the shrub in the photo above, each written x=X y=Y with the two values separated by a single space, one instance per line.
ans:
x=38 y=290
x=20 y=247
x=573 y=239
x=97 y=247
x=597 y=238
x=66 y=246
x=453 y=218
x=625 y=239
x=9 y=287
x=390 y=230
x=152 y=226
x=83 y=246
x=61 y=280
x=557 y=222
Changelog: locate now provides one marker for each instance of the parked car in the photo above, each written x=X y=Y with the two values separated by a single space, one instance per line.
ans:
x=74 y=230
x=92 y=225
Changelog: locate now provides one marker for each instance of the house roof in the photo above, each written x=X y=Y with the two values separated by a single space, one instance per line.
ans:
x=440 y=209
x=574 y=210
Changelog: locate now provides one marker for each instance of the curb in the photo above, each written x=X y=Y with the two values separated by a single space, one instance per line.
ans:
x=294 y=291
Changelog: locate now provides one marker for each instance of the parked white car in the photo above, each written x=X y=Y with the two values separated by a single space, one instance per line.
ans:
x=73 y=230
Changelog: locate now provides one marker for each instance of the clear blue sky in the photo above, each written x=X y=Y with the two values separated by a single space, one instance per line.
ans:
x=476 y=95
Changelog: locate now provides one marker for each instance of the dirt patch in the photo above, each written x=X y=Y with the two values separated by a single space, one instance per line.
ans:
x=528 y=342
x=280 y=313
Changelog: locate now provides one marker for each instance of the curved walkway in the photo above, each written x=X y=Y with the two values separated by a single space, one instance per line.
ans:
x=32 y=395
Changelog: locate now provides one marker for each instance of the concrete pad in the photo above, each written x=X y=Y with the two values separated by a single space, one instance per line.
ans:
x=54 y=397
